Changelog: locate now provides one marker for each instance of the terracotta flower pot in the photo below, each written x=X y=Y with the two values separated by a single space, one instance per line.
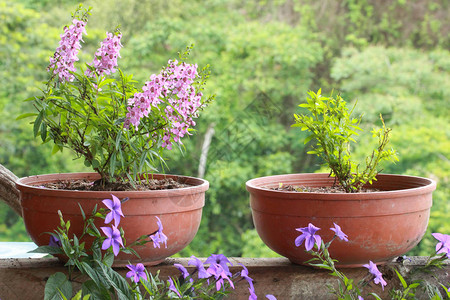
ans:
x=380 y=225
x=180 y=211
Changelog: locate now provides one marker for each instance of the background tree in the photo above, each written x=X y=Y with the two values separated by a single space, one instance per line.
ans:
x=390 y=56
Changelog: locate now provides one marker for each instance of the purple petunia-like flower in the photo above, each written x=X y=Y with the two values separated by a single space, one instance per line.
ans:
x=158 y=237
x=378 y=277
x=194 y=261
x=172 y=287
x=136 y=272
x=182 y=269
x=309 y=236
x=115 y=207
x=271 y=297
x=444 y=243
x=244 y=274
x=221 y=260
x=54 y=242
x=338 y=232
x=113 y=239
x=252 y=294
x=220 y=275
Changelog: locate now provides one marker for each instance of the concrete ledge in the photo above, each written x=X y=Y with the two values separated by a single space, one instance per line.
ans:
x=25 y=278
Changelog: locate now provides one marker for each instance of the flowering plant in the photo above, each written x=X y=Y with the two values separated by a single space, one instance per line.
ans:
x=209 y=280
x=347 y=289
x=97 y=111
x=332 y=129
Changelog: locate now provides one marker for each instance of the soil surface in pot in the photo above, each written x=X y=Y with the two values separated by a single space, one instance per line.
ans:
x=86 y=185
x=325 y=189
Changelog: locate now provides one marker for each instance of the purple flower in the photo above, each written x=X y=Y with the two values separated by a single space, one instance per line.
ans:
x=444 y=243
x=182 y=269
x=360 y=298
x=271 y=297
x=309 y=236
x=252 y=294
x=113 y=239
x=221 y=260
x=115 y=208
x=172 y=287
x=54 y=242
x=220 y=275
x=378 y=277
x=244 y=274
x=194 y=261
x=105 y=59
x=136 y=272
x=339 y=233
x=159 y=237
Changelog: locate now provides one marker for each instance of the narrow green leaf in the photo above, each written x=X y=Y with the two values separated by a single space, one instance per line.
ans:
x=43 y=131
x=37 y=123
x=27 y=115
x=402 y=280
x=47 y=249
x=376 y=296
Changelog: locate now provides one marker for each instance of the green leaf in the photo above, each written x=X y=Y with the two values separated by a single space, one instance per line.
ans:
x=56 y=148
x=97 y=292
x=402 y=280
x=47 y=249
x=27 y=115
x=43 y=131
x=56 y=285
x=376 y=296
x=108 y=259
x=37 y=123
x=116 y=281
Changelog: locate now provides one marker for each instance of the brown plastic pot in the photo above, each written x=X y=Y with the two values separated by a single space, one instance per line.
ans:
x=180 y=211
x=380 y=225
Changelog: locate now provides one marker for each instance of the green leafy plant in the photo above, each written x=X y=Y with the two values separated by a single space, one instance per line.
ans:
x=96 y=110
x=347 y=288
x=91 y=255
x=332 y=128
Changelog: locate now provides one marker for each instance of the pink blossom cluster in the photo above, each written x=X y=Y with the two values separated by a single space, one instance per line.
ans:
x=105 y=59
x=62 y=62
x=173 y=90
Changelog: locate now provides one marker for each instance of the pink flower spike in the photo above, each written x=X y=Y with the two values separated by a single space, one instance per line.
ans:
x=62 y=62
x=105 y=60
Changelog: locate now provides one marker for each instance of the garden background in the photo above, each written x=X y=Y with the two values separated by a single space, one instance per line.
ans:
x=392 y=57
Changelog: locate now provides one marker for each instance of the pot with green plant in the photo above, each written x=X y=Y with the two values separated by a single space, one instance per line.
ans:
x=385 y=215
x=121 y=131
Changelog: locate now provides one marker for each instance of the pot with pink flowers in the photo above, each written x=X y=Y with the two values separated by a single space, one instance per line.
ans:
x=121 y=130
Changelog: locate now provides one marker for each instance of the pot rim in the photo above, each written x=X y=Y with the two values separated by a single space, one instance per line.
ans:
x=30 y=182
x=422 y=185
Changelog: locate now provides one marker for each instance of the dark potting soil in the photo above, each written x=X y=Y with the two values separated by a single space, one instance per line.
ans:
x=327 y=189
x=86 y=185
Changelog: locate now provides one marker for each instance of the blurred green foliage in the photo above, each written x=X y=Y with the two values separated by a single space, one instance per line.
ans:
x=391 y=56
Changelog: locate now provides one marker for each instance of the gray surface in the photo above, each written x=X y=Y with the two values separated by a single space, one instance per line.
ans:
x=18 y=250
